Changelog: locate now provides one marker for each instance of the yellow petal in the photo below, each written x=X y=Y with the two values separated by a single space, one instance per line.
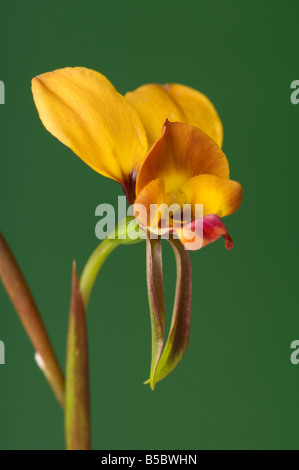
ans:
x=199 y=111
x=182 y=152
x=84 y=111
x=218 y=195
x=156 y=103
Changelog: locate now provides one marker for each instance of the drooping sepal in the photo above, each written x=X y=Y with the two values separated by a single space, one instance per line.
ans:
x=178 y=337
x=156 y=302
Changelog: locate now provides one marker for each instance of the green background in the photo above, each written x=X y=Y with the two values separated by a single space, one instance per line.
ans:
x=236 y=387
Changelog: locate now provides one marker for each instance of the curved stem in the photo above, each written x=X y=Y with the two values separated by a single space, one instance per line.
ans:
x=124 y=234
x=93 y=267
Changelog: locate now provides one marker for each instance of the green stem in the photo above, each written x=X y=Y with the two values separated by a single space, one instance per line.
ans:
x=93 y=267
x=124 y=234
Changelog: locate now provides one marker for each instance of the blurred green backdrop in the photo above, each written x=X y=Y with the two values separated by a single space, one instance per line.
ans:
x=236 y=387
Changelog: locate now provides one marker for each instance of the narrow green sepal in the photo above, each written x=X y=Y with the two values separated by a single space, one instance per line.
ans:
x=178 y=337
x=156 y=302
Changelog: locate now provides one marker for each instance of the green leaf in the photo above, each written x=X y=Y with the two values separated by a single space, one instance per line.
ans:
x=23 y=302
x=77 y=407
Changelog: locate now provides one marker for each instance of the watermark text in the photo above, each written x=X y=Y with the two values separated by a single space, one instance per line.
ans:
x=295 y=94
x=2 y=353
x=157 y=220
x=2 y=92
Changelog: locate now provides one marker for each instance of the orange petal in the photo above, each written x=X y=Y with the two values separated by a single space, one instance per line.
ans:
x=146 y=206
x=219 y=196
x=156 y=103
x=84 y=111
x=182 y=152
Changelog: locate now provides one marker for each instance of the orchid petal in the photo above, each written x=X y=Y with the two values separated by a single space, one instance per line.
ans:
x=217 y=195
x=156 y=103
x=84 y=111
x=203 y=231
x=146 y=206
x=181 y=153
x=199 y=111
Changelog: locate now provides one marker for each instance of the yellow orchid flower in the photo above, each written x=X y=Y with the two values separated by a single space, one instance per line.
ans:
x=113 y=135
x=162 y=143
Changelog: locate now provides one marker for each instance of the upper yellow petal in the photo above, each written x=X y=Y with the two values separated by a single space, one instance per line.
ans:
x=199 y=111
x=156 y=103
x=84 y=111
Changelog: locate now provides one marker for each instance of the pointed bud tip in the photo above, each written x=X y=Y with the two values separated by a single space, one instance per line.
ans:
x=75 y=280
x=148 y=382
x=77 y=305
